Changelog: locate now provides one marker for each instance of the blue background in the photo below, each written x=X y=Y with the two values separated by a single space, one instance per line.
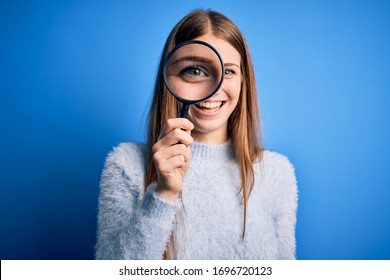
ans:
x=76 y=79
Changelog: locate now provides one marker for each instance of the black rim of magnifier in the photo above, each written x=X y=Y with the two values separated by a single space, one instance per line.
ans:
x=186 y=101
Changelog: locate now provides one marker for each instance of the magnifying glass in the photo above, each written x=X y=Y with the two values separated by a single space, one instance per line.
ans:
x=193 y=72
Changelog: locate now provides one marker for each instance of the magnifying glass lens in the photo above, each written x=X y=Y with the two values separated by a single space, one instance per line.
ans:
x=193 y=72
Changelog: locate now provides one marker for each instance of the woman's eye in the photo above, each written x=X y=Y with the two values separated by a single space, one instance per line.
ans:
x=229 y=72
x=194 y=71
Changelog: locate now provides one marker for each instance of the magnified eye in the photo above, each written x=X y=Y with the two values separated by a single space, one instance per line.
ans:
x=195 y=71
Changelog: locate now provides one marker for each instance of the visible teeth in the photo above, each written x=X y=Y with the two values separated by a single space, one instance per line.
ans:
x=210 y=104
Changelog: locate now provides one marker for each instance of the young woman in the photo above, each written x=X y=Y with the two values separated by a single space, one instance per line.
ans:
x=202 y=187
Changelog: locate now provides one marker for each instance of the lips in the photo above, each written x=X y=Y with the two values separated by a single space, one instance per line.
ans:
x=209 y=107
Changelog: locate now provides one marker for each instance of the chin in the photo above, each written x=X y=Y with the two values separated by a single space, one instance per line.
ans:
x=207 y=128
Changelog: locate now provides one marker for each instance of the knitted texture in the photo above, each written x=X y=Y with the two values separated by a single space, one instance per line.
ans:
x=208 y=220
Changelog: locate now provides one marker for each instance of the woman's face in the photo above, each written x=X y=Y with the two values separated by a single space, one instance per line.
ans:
x=210 y=117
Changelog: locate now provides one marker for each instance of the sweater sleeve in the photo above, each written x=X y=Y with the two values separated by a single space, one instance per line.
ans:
x=130 y=227
x=286 y=207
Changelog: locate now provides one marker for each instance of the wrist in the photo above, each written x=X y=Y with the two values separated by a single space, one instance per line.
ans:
x=166 y=194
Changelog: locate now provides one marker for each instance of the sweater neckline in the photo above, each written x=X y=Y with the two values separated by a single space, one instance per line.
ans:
x=205 y=150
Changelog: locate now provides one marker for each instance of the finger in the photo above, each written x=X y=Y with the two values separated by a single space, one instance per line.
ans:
x=187 y=154
x=171 y=124
x=169 y=165
x=175 y=150
x=177 y=136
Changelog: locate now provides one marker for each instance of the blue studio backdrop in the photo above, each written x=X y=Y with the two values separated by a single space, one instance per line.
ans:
x=76 y=79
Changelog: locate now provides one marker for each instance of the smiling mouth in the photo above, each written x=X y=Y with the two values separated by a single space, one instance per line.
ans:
x=210 y=106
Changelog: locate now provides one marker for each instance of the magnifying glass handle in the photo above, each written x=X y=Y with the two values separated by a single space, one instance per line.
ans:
x=184 y=110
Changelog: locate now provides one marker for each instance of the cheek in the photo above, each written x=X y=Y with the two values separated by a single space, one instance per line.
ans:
x=235 y=90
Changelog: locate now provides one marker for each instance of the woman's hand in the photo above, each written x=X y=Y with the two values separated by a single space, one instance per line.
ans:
x=171 y=155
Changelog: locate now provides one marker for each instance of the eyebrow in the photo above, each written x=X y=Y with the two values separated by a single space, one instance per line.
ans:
x=232 y=64
x=192 y=58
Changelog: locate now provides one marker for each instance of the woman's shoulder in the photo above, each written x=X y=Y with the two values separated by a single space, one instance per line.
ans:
x=276 y=160
x=276 y=167
x=129 y=156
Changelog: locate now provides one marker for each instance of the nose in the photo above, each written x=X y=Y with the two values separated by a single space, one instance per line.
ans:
x=221 y=88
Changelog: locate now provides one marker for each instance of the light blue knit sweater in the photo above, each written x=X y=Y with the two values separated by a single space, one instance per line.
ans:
x=137 y=225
